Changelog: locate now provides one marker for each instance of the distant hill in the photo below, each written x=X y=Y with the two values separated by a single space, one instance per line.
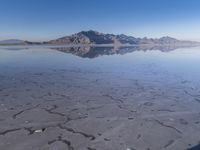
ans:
x=19 y=42
x=12 y=42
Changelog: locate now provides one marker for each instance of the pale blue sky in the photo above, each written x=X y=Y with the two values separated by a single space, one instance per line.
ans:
x=39 y=20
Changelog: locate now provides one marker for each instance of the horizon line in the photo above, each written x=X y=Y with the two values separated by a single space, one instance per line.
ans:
x=34 y=40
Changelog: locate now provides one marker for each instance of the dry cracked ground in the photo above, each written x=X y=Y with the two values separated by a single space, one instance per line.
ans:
x=76 y=110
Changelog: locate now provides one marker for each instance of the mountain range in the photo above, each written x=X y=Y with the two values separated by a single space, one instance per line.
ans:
x=93 y=37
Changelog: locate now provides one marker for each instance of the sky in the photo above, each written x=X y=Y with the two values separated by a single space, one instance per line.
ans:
x=41 y=20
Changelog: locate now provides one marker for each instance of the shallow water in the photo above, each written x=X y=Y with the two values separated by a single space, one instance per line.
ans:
x=99 y=98
x=180 y=62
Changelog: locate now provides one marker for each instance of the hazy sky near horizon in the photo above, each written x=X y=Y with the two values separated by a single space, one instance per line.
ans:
x=40 y=20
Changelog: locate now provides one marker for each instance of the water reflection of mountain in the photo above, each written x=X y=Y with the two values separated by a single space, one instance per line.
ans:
x=96 y=51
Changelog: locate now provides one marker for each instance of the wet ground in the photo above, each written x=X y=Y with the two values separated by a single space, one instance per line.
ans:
x=51 y=100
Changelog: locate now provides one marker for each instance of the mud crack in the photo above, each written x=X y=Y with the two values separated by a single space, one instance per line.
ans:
x=91 y=137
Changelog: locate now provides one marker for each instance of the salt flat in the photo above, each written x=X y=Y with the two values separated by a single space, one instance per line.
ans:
x=51 y=100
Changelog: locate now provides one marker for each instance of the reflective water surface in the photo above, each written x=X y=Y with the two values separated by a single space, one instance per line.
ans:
x=180 y=64
x=99 y=98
